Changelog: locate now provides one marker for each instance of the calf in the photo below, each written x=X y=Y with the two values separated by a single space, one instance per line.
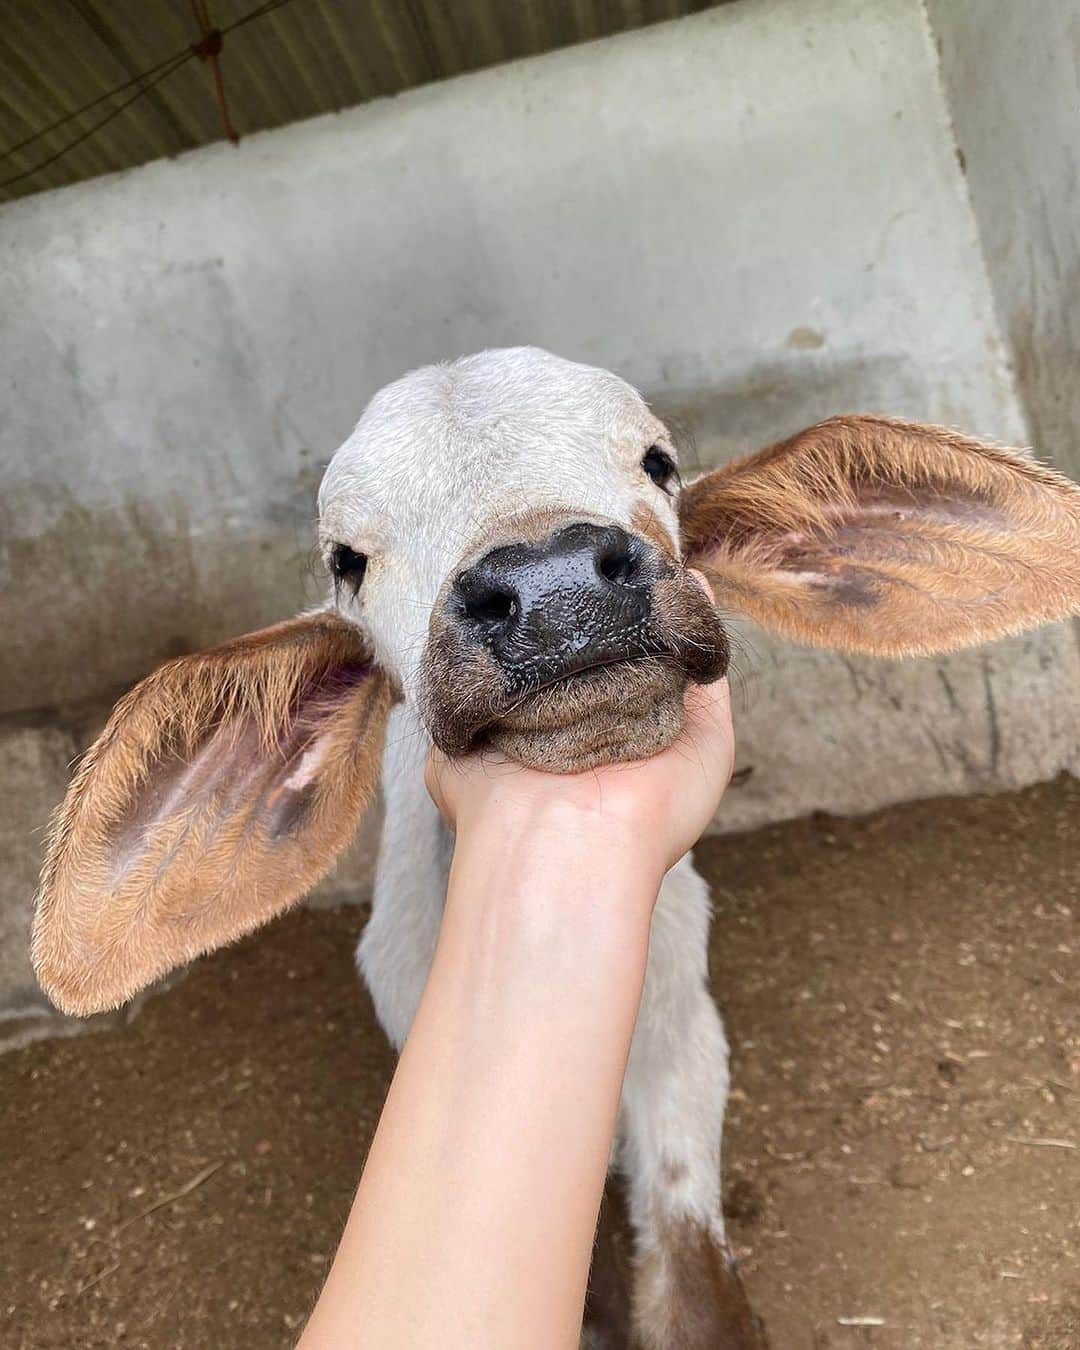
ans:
x=507 y=538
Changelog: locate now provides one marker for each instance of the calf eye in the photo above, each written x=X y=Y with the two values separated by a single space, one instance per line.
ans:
x=348 y=566
x=659 y=465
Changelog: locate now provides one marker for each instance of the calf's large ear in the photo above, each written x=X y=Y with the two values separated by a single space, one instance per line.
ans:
x=888 y=538
x=220 y=791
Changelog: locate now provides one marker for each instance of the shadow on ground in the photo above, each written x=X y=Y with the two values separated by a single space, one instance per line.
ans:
x=904 y=1133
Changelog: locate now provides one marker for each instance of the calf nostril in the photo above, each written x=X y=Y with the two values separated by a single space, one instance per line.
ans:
x=617 y=564
x=485 y=601
x=494 y=607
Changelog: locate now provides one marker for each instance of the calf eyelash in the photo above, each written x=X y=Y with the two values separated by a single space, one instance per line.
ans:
x=347 y=567
x=660 y=467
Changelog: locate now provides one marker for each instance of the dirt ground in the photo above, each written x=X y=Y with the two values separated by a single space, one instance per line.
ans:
x=903 y=1155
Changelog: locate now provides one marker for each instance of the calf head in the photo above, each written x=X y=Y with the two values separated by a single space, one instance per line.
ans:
x=508 y=540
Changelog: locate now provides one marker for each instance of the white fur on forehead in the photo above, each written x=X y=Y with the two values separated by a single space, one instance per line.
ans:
x=535 y=385
x=444 y=455
x=471 y=416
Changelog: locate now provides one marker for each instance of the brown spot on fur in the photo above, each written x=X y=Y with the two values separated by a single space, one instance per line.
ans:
x=607 y=1300
x=525 y=527
x=887 y=537
x=672 y=1173
x=220 y=791
x=649 y=525
x=688 y=1294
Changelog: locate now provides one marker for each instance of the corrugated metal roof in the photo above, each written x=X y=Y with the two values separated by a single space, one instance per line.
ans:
x=290 y=59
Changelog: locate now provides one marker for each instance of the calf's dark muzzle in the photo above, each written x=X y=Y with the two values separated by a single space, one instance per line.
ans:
x=581 y=598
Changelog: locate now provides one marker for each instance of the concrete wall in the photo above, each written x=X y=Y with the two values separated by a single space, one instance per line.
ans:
x=185 y=343
x=757 y=215
x=1012 y=76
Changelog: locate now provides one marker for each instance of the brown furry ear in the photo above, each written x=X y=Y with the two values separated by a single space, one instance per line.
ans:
x=220 y=791
x=886 y=537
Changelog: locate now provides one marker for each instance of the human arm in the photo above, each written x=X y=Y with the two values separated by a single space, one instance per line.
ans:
x=474 y=1219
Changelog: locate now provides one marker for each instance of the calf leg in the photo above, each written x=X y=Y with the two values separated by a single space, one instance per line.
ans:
x=398 y=944
x=607 y=1303
x=687 y=1294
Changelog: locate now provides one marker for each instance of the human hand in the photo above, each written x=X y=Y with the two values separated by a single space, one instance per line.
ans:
x=657 y=808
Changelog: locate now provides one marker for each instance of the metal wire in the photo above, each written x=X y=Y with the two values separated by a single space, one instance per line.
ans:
x=146 y=81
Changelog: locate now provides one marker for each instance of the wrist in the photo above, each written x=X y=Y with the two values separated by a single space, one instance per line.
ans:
x=544 y=875
x=544 y=838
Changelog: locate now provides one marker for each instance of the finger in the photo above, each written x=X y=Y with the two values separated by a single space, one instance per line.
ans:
x=703 y=581
x=434 y=781
x=709 y=726
x=710 y=705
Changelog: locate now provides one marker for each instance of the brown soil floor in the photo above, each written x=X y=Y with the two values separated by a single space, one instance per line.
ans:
x=901 y=996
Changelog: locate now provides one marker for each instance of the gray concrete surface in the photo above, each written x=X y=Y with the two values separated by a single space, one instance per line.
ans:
x=34 y=760
x=184 y=344
x=757 y=215
x=1012 y=76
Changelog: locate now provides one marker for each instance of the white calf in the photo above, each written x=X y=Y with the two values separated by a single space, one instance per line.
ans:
x=507 y=537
